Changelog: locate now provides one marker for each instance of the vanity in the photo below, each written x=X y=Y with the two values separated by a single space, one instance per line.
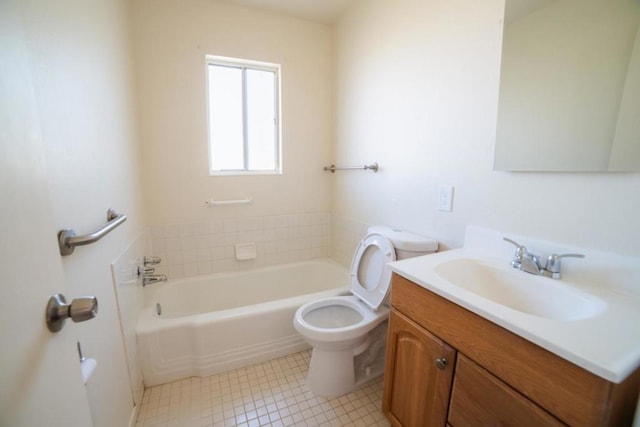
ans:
x=466 y=348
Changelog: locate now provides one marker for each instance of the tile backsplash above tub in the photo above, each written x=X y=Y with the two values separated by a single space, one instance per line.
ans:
x=209 y=247
x=346 y=234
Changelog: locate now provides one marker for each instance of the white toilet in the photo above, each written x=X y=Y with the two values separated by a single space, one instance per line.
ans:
x=348 y=333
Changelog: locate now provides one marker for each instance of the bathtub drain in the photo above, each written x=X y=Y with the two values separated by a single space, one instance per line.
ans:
x=158 y=308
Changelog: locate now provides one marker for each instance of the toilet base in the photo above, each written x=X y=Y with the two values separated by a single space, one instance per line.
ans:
x=331 y=373
x=336 y=372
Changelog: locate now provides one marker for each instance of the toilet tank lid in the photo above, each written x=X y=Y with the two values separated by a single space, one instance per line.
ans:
x=405 y=240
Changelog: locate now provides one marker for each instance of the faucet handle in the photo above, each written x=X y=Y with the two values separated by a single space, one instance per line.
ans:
x=152 y=260
x=521 y=251
x=143 y=270
x=516 y=244
x=554 y=264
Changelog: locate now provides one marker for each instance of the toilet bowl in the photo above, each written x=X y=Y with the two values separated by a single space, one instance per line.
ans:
x=348 y=333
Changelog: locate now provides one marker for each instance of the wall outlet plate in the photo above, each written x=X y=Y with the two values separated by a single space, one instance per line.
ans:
x=445 y=198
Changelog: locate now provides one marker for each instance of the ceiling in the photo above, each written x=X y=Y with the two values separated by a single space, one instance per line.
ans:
x=323 y=11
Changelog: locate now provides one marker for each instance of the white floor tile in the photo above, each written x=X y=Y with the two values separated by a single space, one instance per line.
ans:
x=272 y=393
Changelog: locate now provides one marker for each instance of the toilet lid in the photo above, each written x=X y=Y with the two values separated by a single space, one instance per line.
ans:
x=370 y=276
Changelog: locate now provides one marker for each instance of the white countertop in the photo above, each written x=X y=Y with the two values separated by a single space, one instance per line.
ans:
x=607 y=344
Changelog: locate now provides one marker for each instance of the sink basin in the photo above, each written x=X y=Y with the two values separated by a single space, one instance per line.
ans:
x=527 y=293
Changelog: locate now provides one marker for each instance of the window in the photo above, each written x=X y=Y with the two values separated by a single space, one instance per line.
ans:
x=244 y=105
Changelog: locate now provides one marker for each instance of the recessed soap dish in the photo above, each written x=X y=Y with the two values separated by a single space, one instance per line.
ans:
x=245 y=251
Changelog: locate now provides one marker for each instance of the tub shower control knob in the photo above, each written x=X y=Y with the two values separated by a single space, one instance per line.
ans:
x=144 y=270
x=152 y=260
x=441 y=363
x=80 y=309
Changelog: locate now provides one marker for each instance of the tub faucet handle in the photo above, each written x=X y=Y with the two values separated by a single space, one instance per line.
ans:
x=145 y=271
x=152 y=260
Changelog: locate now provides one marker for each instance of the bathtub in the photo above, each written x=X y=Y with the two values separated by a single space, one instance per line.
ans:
x=209 y=324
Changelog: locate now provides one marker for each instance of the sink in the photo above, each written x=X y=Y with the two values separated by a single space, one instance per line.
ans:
x=527 y=293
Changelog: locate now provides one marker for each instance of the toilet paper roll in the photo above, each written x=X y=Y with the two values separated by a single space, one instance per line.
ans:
x=87 y=366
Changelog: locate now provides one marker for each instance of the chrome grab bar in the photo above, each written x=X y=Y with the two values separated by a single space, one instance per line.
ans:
x=67 y=239
x=212 y=202
x=333 y=168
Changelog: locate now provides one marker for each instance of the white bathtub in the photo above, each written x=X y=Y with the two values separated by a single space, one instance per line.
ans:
x=211 y=324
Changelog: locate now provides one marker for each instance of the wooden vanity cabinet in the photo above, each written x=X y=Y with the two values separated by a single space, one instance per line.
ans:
x=492 y=376
x=417 y=393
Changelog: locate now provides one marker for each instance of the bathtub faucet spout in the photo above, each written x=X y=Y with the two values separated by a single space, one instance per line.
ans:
x=150 y=279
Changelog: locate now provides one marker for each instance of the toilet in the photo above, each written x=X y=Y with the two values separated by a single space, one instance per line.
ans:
x=348 y=333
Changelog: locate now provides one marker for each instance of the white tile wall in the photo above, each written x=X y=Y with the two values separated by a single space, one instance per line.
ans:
x=345 y=236
x=208 y=247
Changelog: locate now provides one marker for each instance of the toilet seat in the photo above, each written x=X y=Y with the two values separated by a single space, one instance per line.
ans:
x=348 y=317
x=332 y=316
x=364 y=320
x=370 y=276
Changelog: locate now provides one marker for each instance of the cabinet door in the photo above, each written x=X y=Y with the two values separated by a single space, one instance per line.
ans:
x=418 y=375
x=480 y=399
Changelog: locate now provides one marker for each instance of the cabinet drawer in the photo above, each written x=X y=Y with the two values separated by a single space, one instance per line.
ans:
x=479 y=398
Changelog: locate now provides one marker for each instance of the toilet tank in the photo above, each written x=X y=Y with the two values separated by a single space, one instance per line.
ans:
x=406 y=244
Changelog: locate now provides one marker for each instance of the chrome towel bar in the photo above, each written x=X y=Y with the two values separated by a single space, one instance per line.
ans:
x=67 y=239
x=334 y=168
x=212 y=202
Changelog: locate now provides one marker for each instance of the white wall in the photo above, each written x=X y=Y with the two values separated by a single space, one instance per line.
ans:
x=82 y=72
x=417 y=91
x=130 y=299
x=172 y=38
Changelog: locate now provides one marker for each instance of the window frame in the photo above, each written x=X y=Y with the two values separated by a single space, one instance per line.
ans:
x=245 y=64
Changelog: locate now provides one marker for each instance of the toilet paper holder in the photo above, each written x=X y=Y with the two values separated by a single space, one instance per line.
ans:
x=80 y=310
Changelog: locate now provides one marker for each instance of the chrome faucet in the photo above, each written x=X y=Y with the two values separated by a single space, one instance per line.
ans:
x=530 y=263
x=148 y=278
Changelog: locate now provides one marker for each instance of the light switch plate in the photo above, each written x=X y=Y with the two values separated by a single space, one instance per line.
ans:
x=445 y=198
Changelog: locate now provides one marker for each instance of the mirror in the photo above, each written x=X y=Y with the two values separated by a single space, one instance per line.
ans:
x=569 y=86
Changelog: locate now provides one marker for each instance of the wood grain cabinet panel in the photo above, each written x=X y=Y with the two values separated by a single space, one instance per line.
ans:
x=480 y=399
x=416 y=390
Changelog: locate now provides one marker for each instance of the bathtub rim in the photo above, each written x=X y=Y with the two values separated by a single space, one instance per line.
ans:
x=202 y=277
x=149 y=321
